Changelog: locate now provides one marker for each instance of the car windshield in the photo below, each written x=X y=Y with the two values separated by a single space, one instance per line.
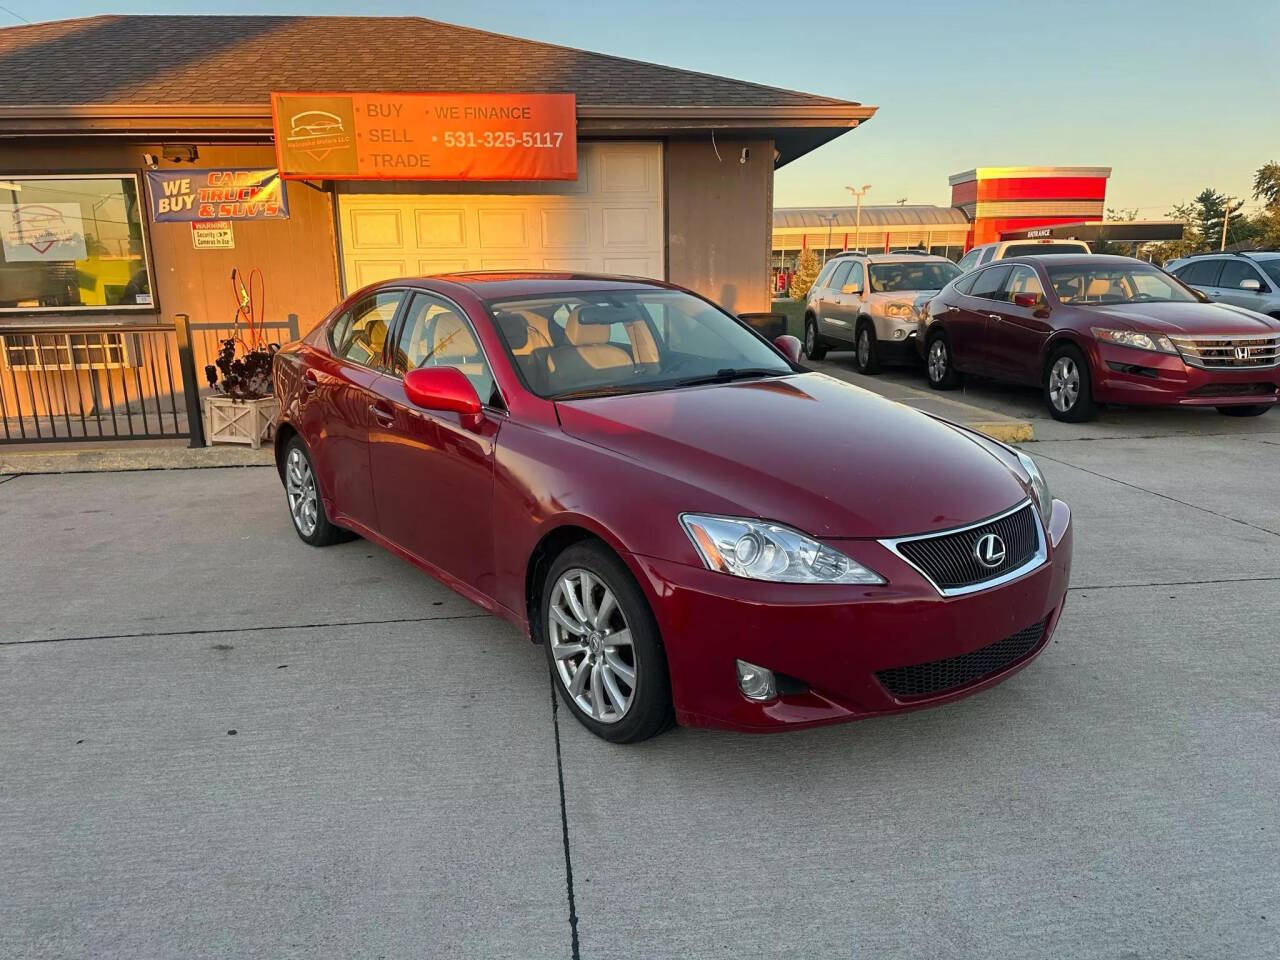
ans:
x=1271 y=268
x=574 y=345
x=931 y=275
x=1115 y=283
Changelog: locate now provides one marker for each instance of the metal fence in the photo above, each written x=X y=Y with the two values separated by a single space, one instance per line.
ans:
x=68 y=383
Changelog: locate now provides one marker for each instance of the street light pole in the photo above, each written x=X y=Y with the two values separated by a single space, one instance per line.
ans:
x=1226 y=215
x=830 y=218
x=857 y=230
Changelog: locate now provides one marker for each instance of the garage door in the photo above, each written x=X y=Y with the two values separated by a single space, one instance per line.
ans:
x=607 y=221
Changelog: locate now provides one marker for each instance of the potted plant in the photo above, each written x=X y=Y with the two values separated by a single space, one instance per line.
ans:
x=242 y=408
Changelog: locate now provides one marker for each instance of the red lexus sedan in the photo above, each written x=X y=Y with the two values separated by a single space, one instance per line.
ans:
x=694 y=527
x=1100 y=329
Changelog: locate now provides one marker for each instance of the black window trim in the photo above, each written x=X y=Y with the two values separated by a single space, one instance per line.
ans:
x=392 y=324
x=144 y=221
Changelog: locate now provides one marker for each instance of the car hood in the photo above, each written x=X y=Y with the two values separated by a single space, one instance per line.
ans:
x=1187 y=318
x=806 y=450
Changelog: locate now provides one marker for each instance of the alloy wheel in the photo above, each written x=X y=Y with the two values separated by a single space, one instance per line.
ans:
x=937 y=361
x=864 y=347
x=591 y=646
x=300 y=486
x=1064 y=384
x=810 y=340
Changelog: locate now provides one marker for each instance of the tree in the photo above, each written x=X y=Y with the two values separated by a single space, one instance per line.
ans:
x=807 y=268
x=1120 y=247
x=1211 y=209
x=1192 y=240
x=1266 y=184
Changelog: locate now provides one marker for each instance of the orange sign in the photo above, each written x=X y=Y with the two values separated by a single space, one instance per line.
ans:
x=426 y=136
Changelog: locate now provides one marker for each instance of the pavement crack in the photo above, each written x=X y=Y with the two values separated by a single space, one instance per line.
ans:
x=1173 y=583
x=7 y=479
x=575 y=952
x=204 y=631
x=1163 y=496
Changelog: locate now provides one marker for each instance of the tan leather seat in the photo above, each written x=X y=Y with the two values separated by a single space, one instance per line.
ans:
x=591 y=342
x=1098 y=287
x=537 y=331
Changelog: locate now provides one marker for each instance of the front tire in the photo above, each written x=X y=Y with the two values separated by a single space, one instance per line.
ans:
x=603 y=647
x=1068 y=388
x=938 y=364
x=1246 y=410
x=866 y=353
x=814 y=348
x=302 y=493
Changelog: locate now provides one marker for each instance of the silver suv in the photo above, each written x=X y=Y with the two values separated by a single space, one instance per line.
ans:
x=872 y=302
x=1249 y=280
x=1004 y=249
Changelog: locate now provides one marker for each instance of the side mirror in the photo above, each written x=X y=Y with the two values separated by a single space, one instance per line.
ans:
x=851 y=288
x=1200 y=295
x=789 y=346
x=1252 y=285
x=1027 y=300
x=443 y=388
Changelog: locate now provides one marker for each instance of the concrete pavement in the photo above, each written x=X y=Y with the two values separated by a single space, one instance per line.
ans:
x=392 y=788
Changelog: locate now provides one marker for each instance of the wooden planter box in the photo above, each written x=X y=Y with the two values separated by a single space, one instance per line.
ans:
x=239 y=421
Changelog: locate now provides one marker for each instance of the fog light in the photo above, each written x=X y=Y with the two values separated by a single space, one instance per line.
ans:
x=899 y=334
x=756 y=683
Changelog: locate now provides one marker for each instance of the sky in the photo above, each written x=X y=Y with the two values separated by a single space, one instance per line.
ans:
x=1175 y=96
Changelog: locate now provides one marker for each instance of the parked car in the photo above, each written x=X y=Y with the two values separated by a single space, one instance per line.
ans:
x=1250 y=280
x=693 y=526
x=1102 y=329
x=980 y=256
x=872 y=302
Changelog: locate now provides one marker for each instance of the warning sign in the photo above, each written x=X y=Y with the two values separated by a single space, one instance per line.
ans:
x=213 y=235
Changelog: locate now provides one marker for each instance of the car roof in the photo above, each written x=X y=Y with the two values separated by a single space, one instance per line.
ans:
x=1070 y=259
x=891 y=257
x=504 y=284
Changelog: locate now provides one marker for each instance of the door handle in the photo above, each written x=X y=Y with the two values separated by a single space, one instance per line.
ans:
x=995 y=316
x=309 y=381
x=382 y=414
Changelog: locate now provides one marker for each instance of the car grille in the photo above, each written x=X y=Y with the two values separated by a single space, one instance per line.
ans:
x=1234 y=390
x=1227 y=353
x=939 y=676
x=950 y=559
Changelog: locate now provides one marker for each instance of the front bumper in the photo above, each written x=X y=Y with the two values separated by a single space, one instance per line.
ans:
x=1128 y=376
x=834 y=639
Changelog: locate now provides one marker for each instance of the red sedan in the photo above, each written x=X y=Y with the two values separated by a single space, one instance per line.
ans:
x=694 y=527
x=1100 y=329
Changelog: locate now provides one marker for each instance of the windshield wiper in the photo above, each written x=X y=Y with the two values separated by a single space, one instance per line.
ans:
x=607 y=391
x=730 y=374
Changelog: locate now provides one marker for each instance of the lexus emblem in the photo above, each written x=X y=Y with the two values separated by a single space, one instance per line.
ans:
x=989 y=551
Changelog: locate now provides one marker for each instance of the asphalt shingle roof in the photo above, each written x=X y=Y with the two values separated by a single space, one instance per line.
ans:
x=240 y=60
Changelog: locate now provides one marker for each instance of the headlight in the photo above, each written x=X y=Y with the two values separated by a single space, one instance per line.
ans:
x=759 y=550
x=1039 y=487
x=1157 y=342
x=898 y=310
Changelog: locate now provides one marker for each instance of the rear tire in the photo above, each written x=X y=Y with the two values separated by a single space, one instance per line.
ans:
x=814 y=348
x=1068 y=387
x=1247 y=410
x=866 y=351
x=938 y=365
x=306 y=506
x=618 y=690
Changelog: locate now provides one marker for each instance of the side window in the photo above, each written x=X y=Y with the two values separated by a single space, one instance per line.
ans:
x=970 y=259
x=436 y=335
x=1022 y=279
x=825 y=274
x=1201 y=273
x=965 y=284
x=988 y=254
x=840 y=277
x=855 y=276
x=990 y=283
x=359 y=334
x=1234 y=272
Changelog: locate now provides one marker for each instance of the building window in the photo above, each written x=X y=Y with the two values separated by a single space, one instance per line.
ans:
x=72 y=243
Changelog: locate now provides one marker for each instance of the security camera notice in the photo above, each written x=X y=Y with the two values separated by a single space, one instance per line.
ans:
x=426 y=136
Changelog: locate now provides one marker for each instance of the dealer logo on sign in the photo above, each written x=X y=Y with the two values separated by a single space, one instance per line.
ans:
x=319 y=134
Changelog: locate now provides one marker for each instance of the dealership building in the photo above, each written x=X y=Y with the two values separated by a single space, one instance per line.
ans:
x=656 y=171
